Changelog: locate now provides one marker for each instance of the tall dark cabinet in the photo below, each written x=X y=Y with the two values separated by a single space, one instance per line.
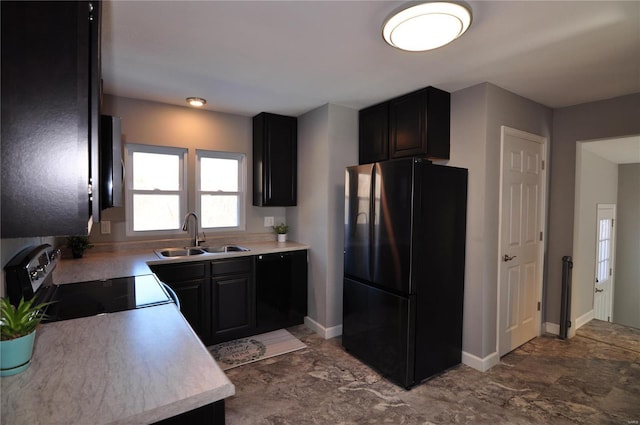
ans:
x=275 y=160
x=50 y=100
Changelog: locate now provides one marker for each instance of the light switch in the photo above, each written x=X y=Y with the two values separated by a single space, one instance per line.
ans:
x=268 y=221
x=105 y=227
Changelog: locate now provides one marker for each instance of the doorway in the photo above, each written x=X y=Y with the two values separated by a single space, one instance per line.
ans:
x=605 y=260
x=520 y=247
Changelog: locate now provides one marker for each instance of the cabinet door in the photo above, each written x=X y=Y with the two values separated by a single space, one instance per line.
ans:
x=275 y=156
x=373 y=139
x=46 y=117
x=190 y=283
x=419 y=124
x=233 y=299
x=281 y=290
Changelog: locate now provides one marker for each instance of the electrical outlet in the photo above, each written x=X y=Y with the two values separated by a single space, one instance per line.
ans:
x=268 y=221
x=105 y=227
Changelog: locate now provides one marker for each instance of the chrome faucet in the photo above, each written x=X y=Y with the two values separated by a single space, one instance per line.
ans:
x=185 y=226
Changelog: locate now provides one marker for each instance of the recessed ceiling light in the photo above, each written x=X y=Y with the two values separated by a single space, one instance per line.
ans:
x=196 y=101
x=426 y=26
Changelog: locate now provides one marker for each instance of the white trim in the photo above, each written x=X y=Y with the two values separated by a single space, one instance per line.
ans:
x=242 y=188
x=326 y=333
x=612 y=258
x=584 y=319
x=183 y=192
x=477 y=363
x=552 y=328
x=544 y=141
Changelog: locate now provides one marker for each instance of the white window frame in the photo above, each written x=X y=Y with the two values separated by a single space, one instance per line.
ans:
x=241 y=193
x=182 y=191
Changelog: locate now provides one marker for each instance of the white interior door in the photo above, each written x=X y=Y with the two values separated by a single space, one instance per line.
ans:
x=605 y=243
x=521 y=225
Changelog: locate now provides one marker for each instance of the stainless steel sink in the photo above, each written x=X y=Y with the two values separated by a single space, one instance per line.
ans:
x=190 y=251
x=179 y=252
x=224 y=248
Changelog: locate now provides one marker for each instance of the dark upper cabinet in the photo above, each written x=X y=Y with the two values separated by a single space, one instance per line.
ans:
x=419 y=124
x=232 y=299
x=415 y=124
x=50 y=87
x=275 y=160
x=373 y=135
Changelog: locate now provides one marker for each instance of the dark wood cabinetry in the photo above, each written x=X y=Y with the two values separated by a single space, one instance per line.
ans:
x=415 y=124
x=281 y=290
x=419 y=124
x=237 y=297
x=275 y=160
x=50 y=99
x=373 y=138
x=232 y=299
x=190 y=281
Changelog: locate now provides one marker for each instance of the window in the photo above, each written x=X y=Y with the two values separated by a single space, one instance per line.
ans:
x=155 y=189
x=220 y=190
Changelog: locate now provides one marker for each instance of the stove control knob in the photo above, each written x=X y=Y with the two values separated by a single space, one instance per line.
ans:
x=33 y=274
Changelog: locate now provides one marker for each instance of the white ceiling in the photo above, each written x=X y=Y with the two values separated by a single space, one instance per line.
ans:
x=289 y=57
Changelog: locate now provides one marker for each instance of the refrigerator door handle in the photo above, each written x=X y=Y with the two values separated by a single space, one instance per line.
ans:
x=372 y=218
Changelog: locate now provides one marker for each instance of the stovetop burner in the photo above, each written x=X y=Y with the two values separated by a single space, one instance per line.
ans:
x=29 y=275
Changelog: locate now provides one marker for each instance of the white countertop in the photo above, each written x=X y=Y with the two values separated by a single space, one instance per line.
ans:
x=131 y=367
x=98 y=266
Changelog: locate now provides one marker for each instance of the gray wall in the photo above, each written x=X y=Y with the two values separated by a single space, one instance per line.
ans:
x=596 y=183
x=477 y=114
x=626 y=304
x=161 y=124
x=596 y=120
x=327 y=143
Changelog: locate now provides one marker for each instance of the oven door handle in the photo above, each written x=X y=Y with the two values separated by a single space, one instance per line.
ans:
x=172 y=294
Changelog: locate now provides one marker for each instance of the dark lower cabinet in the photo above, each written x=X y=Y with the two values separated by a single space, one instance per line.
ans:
x=281 y=290
x=232 y=299
x=210 y=414
x=190 y=281
x=237 y=297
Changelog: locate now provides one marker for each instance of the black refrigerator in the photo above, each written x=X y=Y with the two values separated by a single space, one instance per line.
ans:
x=404 y=258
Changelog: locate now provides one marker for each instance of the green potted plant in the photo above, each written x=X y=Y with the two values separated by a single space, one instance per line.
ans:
x=77 y=245
x=281 y=230
x=17 y=334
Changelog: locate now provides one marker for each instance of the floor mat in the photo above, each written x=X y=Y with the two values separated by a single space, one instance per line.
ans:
x=251 y=349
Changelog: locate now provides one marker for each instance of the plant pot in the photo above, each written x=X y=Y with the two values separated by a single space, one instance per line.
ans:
x=15 y=354
x=282 y=237
x=77 y=254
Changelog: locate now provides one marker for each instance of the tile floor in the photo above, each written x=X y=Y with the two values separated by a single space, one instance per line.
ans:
x=593 y=378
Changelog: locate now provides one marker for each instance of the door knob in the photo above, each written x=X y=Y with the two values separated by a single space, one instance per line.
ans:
x=599 y=290
x=508 y=258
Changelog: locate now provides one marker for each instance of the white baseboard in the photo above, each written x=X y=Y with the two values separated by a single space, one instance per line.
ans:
x=552 y=328
x=477 y=363
x=584 y=319
x=326 y=333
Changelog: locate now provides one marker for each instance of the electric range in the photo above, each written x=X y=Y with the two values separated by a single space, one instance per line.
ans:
x=30 y=275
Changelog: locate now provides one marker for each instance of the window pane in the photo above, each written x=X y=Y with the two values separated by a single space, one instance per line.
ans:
x=156 y=212
x=218 y=174
x=219 y=210
x=156 y=171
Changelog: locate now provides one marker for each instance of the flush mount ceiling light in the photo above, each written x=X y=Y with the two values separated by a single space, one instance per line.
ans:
x=196 y=101
x=426 y=26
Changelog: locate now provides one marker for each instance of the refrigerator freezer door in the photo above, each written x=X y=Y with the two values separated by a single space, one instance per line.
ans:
x=378 y=328
x=392 y=225
x=357 y=222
